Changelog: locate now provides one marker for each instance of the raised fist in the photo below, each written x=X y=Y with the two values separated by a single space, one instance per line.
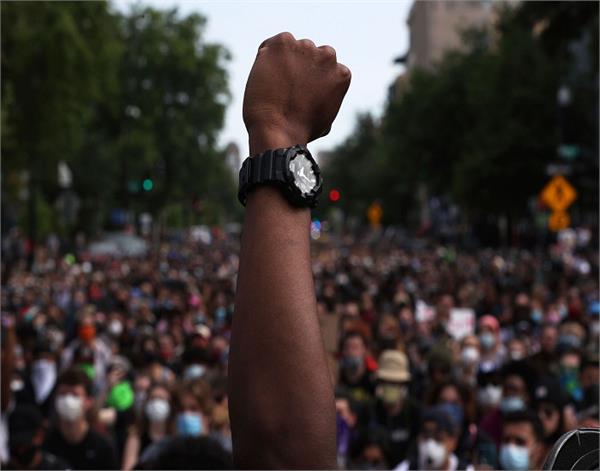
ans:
x=294 y=90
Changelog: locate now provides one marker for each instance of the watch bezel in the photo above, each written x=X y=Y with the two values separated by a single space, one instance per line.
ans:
x=295 y=194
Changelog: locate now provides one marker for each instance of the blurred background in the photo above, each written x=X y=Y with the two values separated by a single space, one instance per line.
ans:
x=455 y=247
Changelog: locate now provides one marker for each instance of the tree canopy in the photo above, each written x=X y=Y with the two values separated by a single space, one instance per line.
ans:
x=132 y=102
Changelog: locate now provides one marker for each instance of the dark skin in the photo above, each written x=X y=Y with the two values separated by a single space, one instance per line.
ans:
x=281 y=398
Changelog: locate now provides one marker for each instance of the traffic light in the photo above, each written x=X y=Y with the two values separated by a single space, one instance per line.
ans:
x=334 y=195
x=147 y=184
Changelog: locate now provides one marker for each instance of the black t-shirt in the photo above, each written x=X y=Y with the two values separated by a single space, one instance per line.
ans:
x=401 y=429
x=93 y=452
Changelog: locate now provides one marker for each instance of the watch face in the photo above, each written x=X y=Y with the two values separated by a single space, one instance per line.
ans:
x=304 y=175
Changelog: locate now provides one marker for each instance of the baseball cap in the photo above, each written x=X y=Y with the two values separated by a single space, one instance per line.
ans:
x=23 y=423
x=442 y=418
x=393 y=366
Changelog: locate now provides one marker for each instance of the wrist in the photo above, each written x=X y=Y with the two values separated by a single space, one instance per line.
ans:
x=262 y=138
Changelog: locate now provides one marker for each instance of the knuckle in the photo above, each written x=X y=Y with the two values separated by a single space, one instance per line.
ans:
x=328 y=52
x=285 y=37
x=307 y=43
x=344 y=72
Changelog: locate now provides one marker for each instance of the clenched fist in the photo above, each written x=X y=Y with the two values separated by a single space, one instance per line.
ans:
x=294 y=92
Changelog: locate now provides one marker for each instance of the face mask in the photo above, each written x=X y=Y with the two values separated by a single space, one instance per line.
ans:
x=157 y=410
x=455 y=411
x=194 y=371
x=115 y=328
x=514 y=457
x=189 y=424
x=566 y=341
x=43 y=378
x=432 y=454
x=516 y=355
x=562 y=312
x=487 y=340
x=536 y=316
x=391 y=394
x=489 y=396
x=88 y=369
x=351 y=364
x=470 y=356
x=69 y=407
x=87 y=333
x=512 y=404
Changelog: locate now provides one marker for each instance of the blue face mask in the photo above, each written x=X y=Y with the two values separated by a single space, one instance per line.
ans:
x=487 y=340
x=536 y=316
x=189 y=424
x=514 y=457
x=511 y=404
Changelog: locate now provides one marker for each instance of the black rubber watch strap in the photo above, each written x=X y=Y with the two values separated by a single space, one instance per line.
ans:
x=267 y=167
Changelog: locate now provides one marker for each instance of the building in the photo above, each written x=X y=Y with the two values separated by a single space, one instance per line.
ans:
x=437 y=26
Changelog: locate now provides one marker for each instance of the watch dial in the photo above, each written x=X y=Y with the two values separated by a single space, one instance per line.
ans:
x=304 y=175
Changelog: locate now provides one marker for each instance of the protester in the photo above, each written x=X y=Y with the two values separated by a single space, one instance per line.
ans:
x=72 y=438
x=26 y=429
x=522 y=442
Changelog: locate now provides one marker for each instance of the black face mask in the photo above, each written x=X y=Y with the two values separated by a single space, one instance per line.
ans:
x=24 y=454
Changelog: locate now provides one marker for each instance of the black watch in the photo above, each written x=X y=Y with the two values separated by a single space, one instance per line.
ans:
x=293 y=170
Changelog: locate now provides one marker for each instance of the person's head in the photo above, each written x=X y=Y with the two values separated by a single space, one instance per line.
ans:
x=549 y=402
x=571 y=336
x=444 y=306
x=517 y=381
x=489 y=330
x=522 y=441
x=73 y=396
x=470 y=351
x=193 y=406
x=354 y=350
x=157 y=408
x=25 y=436
x=388 y=331
x=455 y=400
x=393 y=375
x=185 y=452
x=86 y=326
x=548 y=338
x=517 y=350
x=437 y=439
x=371 y=452
x=439 y=366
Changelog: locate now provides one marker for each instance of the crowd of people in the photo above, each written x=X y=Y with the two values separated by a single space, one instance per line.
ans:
x=442 y=358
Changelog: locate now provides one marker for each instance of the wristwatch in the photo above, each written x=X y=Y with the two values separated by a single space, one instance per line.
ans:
x=293 y=170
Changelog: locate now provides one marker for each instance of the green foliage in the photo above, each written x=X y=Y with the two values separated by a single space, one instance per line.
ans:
x=120 y=98
x=481 y=126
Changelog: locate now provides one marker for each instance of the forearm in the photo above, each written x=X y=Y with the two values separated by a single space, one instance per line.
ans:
x=281 y=398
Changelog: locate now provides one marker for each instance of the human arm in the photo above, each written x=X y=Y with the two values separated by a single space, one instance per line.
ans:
x=281 y=398
x=131 y=450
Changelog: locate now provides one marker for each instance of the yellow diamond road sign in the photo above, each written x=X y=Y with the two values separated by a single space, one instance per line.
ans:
x=558 y=221
x=558 y=194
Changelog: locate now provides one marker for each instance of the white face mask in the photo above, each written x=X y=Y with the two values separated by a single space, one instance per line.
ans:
x=432 y=454
x=115 y=327
x=69 y=407
x=43 y=378
x=157 y=410
x=470 y=356
x=489 y=396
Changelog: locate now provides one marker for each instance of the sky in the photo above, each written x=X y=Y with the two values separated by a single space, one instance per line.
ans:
x=366 y=36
